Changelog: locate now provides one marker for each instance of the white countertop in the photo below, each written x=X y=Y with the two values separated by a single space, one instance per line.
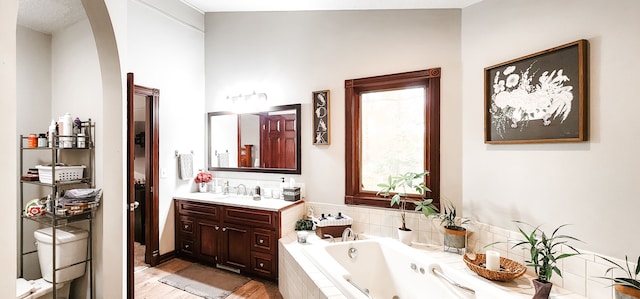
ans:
x=268 y=204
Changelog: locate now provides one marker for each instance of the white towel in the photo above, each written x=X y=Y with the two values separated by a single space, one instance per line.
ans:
x=185 y=166
x=223 y=159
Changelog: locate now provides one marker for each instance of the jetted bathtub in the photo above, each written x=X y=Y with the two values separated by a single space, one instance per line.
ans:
x=383 y=268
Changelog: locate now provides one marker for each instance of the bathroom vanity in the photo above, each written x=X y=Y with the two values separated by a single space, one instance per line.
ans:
x=237 y=233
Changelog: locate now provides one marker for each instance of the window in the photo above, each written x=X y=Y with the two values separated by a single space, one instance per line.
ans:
x=392 y=126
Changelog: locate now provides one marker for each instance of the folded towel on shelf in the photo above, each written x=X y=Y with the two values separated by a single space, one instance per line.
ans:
x=185 y=166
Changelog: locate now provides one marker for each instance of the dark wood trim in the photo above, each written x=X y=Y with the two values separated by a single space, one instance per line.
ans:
x=166 y=257
x=430 y=79
x=130 y=186
x=152 y=141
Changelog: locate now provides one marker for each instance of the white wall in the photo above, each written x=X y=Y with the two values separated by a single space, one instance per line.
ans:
x=8 y=152
x=77 y=89
x=33 y=93
x=110 y=105
x=590 y=184
x=290 y=54
x=166 y=51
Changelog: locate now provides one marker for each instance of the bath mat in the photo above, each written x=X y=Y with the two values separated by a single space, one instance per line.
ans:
x=205 y=282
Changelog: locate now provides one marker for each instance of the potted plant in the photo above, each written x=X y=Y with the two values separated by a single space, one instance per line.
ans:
x=455 y=235
x=303 y=226
x=202 y=179
x=399 y=185
x=545 y=252
x=625 y=287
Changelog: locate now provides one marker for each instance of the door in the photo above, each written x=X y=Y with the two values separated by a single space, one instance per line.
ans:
x=236 y=246
x=150 y=190
x=208 y=233
x=278 y=140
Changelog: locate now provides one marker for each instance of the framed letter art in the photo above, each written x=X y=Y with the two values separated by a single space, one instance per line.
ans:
x=539 y=98
x=320 y=103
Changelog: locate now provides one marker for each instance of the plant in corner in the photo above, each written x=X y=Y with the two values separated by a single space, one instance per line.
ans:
x=545 y=252
x=455 y=235
x=625 y=287
x=398 y=185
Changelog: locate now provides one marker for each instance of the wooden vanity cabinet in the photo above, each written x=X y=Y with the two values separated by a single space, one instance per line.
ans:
x=241 y=238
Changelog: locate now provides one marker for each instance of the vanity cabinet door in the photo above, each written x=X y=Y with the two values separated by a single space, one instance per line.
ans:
x=208 y=237
x=236 y=245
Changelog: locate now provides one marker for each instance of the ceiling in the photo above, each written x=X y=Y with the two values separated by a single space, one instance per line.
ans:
x=295 y=5
x=51 y=15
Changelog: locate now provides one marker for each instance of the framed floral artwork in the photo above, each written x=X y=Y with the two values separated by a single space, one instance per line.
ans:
x=539 y=98
x=320 y=104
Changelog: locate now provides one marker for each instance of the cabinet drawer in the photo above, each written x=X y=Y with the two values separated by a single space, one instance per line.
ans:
x=260 y=218
x=263 y=240
x=264 y=265
x=186 y=246
x=186 y=225
x=190 y=208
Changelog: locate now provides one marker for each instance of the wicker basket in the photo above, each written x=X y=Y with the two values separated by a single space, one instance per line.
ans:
x=509 y=270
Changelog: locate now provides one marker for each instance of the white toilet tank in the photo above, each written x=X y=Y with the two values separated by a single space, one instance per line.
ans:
x=71 y=248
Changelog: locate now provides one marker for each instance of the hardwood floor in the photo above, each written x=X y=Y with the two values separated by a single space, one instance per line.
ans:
x=147 y=285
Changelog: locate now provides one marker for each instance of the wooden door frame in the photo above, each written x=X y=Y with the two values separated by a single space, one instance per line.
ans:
x=152 y=120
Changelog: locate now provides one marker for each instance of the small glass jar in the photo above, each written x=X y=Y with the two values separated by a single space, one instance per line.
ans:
x=81 y=141
x=42 y=140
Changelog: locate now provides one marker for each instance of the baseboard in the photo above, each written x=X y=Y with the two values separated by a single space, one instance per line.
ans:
x=166 y=257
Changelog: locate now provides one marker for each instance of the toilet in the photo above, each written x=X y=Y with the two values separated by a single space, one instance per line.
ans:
x=71 y=248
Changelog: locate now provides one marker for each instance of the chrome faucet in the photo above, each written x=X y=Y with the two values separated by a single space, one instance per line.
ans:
x=348 y=231
x=244 y=189
x=331 y=239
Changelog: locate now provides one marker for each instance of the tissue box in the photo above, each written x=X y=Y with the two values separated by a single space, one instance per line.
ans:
x=291 y=194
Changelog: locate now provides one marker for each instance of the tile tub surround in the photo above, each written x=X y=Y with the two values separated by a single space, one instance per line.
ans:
x=579 y=273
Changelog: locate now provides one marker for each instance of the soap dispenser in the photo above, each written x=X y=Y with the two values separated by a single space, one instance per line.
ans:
x=282 y=186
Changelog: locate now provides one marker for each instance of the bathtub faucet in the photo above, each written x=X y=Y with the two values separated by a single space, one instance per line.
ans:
x=348 y=231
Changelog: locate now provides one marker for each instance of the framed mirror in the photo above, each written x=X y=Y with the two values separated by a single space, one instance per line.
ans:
x=266 y=141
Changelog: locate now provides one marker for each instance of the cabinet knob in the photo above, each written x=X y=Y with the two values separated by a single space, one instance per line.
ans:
x=186 y=246
x=186 y=226
x=224 y=229
x=261 y=241
x=217 y=227
x=261 y=265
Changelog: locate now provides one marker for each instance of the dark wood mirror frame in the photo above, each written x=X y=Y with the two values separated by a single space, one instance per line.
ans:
x=430 y=79
x=293 y=170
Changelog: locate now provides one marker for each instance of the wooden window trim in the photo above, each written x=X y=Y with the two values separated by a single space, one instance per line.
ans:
x=430 y=79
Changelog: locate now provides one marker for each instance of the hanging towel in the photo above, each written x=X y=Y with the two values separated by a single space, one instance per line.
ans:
x=185 y=166
x=223 y=159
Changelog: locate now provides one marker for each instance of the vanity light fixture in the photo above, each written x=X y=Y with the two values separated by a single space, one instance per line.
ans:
x=249 y=98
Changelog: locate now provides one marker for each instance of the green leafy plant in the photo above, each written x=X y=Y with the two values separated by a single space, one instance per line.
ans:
x=631 y=279
x=399 y=184
x=448 y=216
x=304 y=224
x=544 y=250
